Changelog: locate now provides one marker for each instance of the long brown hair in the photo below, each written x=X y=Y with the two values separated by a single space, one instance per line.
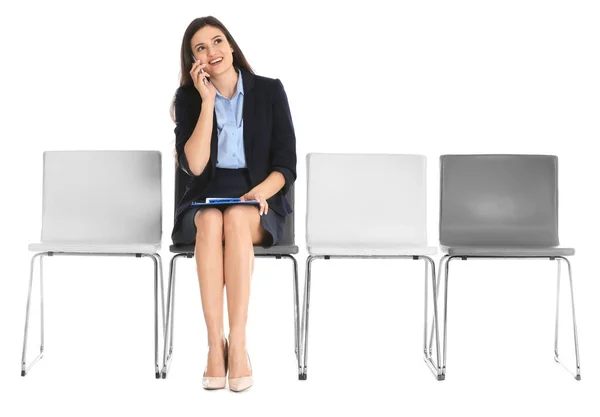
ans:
x=185 y=79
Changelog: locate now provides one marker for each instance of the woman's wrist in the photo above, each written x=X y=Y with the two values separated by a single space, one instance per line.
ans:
x=208 y=104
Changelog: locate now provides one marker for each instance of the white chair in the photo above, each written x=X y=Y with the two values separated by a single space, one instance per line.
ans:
x=99 y=203
x=341 y=224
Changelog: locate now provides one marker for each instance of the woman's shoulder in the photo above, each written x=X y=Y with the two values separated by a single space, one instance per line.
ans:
x=269 y=87
x=267 y=83
x=186 y=99
x=185 y=92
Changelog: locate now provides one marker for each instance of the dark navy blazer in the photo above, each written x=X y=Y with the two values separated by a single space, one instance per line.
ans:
x=269 y=138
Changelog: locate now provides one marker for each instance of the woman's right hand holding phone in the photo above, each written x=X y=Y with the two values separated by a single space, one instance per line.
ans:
x=202 y=82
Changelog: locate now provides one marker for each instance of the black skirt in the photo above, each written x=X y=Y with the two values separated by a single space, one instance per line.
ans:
x=227 y=183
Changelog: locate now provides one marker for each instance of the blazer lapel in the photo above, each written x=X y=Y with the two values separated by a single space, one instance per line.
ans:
x=214 y=143
x=248 y=113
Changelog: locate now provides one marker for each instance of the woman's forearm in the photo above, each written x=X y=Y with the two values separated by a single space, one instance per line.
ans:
x=197 y=148
x=271 y=185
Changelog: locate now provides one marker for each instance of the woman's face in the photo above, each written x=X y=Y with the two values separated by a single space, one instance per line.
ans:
x=210 y=46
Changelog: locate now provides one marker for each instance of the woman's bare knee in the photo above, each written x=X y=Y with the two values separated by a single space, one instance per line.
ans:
x=236 y=219
x=209 y=223
x=239 y=220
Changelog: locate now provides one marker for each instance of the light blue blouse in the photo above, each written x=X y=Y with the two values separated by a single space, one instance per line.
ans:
x=230 y=128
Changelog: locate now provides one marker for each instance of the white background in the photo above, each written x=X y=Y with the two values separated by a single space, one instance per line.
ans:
x=401 y=77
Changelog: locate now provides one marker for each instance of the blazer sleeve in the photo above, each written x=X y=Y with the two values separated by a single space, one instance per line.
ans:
x=186 y=117
x=283 y=145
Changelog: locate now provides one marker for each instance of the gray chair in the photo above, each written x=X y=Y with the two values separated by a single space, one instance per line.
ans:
x=285 y=249
x=498 y=207
x=367 y=229
x=99 y=203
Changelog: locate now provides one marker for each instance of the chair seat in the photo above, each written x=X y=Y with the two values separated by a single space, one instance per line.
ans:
x=94 y=248
x=258 y=250
x=372 y=250
x=500 y=251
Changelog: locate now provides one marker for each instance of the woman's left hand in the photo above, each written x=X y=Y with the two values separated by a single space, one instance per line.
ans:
x=253 y=195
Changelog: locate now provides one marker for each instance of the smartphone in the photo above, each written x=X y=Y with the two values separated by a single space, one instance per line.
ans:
x=201 y=70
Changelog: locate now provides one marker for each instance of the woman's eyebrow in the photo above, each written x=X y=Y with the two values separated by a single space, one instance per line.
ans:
x=202 y=43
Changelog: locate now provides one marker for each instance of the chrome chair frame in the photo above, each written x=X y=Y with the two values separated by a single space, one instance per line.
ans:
x=427 y=347
x=157 y=271
x=168 y=340
x=444 y=265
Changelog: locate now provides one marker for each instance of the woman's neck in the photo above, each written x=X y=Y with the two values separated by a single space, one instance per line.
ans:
x=226 y=83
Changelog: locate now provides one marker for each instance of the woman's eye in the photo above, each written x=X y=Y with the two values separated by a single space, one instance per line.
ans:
x=200 y=48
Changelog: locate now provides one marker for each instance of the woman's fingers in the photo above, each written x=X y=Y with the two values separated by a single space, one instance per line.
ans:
x=264 y=206
x=197 y=66
x=193 y=70
x=197 y=72
x=261 y=203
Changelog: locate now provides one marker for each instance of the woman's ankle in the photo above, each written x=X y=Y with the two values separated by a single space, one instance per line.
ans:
x=237 y=340
x=216 y=341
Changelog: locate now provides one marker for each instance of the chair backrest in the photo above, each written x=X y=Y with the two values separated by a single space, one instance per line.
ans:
x=181 y=181
x=102 y=197
x=289 y=231
x=499 y=200
x=366 y=200
x=288 y=238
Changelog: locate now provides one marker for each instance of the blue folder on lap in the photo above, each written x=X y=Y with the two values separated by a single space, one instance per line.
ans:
x=225 y=202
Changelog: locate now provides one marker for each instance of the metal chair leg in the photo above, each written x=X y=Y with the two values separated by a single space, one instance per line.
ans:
x=446 y=274
x=296 y=297
x=162 y=292
x=24 y=368
x=427 y=351
x=168 y=341
x=156 y=262
x=296 y=315
x=439 y=281
x=577 y=373
x=304 y=353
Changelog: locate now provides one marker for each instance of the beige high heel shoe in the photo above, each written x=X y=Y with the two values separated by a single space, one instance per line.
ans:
x=241 y=383
x=216 y=382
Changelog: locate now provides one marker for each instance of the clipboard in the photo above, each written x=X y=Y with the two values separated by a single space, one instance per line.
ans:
x=212 y=202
